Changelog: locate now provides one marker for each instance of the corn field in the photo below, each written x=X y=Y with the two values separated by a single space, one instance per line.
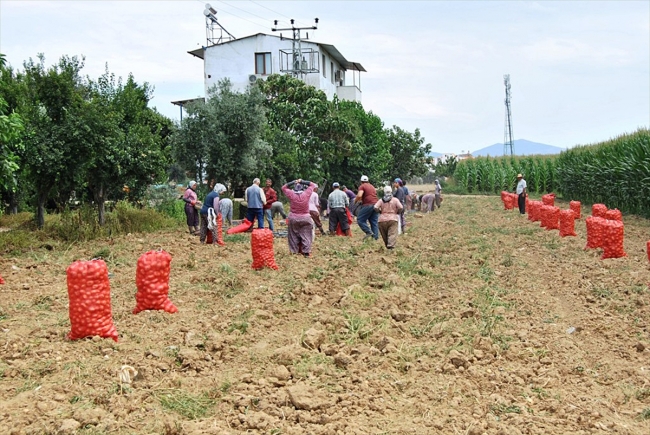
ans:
x=615 y=173
x=494 y=174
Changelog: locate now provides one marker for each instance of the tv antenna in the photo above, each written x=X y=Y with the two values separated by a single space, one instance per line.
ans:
x=299 y=65
x=210 y=24
x=508 y=144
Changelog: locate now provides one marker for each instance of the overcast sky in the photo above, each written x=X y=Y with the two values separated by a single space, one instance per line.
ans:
x=580 y=71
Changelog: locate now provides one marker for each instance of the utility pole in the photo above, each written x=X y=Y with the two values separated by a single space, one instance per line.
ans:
x=299 y=65
x=508 y=144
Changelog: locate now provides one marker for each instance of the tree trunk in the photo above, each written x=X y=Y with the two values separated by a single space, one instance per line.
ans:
x=99 y=199
x=40 y=211
x=13 y=203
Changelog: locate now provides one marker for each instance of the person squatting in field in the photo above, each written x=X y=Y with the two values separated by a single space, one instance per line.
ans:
x=209 y=212
x=225 y=207
x=255 y=200
x=389 y=209
x=271 y=197
x=366 y=199
x=300 y=232
x=351 y=196
x=337 y=202
x=278 y=208
x=427 y=202
x=315 y=210
x=191 y=213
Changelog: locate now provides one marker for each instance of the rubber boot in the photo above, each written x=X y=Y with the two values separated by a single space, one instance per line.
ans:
x=220 y=241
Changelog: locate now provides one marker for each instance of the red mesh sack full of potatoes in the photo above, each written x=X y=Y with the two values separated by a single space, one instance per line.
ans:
x=152 y=281
x=576 y=207
x=89 y=293
x=598 y=210
x=594 y=232
x=647 y=248
x=553 y=218
x=504 y=194
x=548 y=199
x=567 y=223
x=614 y=215
x=612 y=240
x=262 y=249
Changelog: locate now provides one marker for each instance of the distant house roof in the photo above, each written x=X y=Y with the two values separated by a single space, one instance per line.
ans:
x=184 y=102
x=345 y=64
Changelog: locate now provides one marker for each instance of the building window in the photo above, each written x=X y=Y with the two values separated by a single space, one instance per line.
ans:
x=332 y=71
x=323 y=63
x=263 y=63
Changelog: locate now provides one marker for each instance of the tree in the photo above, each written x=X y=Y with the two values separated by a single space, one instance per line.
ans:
x=446 y=167
x=11 y=129
x=410 y=154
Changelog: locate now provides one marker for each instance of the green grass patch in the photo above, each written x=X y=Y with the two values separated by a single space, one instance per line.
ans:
x=185 y=404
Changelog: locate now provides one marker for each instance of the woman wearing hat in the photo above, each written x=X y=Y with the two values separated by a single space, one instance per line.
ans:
x=299 y=230
x=190 y=211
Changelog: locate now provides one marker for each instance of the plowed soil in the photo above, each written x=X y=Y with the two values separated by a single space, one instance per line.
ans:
x=479 y=322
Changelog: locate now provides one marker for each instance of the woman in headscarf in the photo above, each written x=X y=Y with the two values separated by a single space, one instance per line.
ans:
x=389 y=209
x=211 y=216
x=299 y=234
x=190 y=211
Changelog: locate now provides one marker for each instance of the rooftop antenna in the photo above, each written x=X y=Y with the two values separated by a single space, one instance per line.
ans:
x=210 y=23
x=299 y=65
x=508 y=145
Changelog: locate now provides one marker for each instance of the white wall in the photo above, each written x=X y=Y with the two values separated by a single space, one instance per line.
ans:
x=236 y=60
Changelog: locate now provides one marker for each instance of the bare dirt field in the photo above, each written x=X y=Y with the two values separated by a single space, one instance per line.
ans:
x=479 y=322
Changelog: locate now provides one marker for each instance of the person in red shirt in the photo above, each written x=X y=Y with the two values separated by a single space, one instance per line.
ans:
x=367 y=198
x=271 y=197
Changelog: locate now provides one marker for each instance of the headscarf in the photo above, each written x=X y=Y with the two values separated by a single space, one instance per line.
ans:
x=219 y=188
x=388 y=194
x=298 y=187
x=192 y=183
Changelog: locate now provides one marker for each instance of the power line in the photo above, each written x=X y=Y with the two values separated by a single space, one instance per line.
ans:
x=275 y=12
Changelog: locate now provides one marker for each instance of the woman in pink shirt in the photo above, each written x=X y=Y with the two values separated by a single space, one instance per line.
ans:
x=299 y=234
x=389 y=208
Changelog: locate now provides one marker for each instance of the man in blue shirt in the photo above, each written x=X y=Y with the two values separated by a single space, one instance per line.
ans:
x=255 y=200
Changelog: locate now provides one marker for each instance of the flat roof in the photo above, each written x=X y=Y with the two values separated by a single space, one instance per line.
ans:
x=184 y=102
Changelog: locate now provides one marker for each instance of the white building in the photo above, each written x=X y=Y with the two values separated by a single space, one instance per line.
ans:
x=254 y=57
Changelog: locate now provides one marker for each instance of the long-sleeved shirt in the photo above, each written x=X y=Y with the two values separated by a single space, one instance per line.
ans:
x=271 y=197
x=389 y=211
x=314 y=202
x=299 y=201
x=337 y=199
x=189 y=195
x=255 y=197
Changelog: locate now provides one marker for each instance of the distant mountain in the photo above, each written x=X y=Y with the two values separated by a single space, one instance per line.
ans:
x=436 y=155
x=522 y=147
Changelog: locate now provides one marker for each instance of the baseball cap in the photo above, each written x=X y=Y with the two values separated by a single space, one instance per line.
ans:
x=335 y=185
x=364 y=178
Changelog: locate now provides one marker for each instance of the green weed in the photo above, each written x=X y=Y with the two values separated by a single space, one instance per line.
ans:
x=185 y=404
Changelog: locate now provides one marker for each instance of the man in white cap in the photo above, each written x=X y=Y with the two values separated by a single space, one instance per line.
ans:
x=367 y=197
x=521 y=193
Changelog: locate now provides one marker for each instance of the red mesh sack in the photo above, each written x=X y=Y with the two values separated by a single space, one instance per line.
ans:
x=89 y=293
x=210 y=239
x=614 y=215
x=548 y=199
x=598 y=210
x=504 y=195
x=339 y=231
x=534 y=214
x=612 y=240
x=241 y=228
x=262 y=249
x=544 y=215
x=567 y=223
x=152 y=281
x=514 y=201
x=2 y=281
x=576 y=207
x=553 y=218
x=647 y=248
x=530 y=210
x=594 y=232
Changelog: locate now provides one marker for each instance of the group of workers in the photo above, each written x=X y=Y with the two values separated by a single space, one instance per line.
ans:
x=376 y=216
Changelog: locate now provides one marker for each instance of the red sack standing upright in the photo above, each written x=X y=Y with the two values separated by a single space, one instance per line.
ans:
x=647 y=248
x=548 y=199
x=614 y=215
x=576 y=207
x=152 y=281
x=612 y=240
x=598 y=210
x=89 y=292
x=262 y=249
x=594 y=232
x=2 y=281
x=567 y=223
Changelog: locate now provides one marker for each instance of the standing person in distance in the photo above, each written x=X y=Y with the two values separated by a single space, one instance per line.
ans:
x=210 y=213
x=522 y=193
x=389 y=209
x=438 y=193
x=191 y=212
x=314 y=209
x=255 y=200
x=351 y=196
x=367 y=198
x=271 y=197
x=337 y=202
x=299 y=235
x=400 y=194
